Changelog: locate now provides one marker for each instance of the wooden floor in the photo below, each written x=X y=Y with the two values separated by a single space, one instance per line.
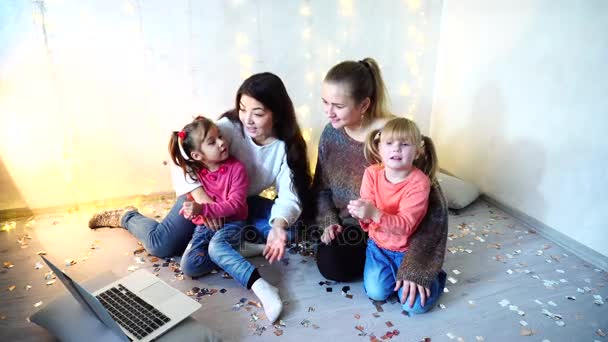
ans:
x=508 y=282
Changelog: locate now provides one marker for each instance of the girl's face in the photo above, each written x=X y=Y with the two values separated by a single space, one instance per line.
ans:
x=397 y=154
x=256 y=119
x=213 y=149
x=340 y=107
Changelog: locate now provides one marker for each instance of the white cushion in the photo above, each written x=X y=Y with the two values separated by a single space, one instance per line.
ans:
x=458 y=193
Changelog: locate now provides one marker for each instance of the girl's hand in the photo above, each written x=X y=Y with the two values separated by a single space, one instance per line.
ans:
x=409 y=291
x=275 y=244
x=330 y=233
x=190 y=208
x=363 y=210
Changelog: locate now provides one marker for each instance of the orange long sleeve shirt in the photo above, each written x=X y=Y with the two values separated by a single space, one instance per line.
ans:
x=403 y=205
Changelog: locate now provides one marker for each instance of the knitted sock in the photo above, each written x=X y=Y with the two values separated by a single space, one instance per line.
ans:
x=269 y=296
x=249 y=249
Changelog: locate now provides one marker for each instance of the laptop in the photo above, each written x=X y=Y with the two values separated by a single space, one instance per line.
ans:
x=137 y=307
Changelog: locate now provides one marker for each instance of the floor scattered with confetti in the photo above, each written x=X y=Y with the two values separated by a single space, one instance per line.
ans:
x=506 y=283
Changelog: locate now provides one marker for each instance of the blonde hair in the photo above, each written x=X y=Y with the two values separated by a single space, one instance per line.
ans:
x=363 y=79
x=403 y=129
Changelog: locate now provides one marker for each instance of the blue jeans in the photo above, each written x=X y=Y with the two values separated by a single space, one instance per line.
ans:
x=258 y=228
x=209 y=249
x=163 y=239
x=380 y=276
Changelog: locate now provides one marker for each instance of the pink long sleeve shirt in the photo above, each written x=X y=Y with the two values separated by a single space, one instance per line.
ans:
x=227 y=186
x=403 y=205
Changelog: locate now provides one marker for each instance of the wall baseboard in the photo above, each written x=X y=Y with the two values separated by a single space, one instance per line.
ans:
x=572 y=246
x=23 y=213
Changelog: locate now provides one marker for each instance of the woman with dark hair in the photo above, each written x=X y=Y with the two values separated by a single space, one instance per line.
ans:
x=264 y=135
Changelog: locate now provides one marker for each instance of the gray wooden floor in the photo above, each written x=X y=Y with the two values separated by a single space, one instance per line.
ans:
x=505 y=276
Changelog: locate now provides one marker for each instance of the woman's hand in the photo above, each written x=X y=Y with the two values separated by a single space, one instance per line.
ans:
x=275 y=244
x=214 y=224
x=409 y=291
x=363 y=210
x=330 y=233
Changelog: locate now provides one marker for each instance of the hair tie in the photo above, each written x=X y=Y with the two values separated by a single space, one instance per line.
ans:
x=181 y=134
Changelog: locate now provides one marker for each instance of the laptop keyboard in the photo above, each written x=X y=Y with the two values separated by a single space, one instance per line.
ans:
x=132 y=312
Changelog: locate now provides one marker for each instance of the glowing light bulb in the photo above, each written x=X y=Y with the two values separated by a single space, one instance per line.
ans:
x=310 y=76
x=241 y=39
x=305 y=11
x=246 y=61
x=346 y=8
x=413 y=5
x=303 y=111
x=405 y=90
x=306 y=33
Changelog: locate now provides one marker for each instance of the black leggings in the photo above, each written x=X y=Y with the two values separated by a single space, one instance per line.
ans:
x=344 y=258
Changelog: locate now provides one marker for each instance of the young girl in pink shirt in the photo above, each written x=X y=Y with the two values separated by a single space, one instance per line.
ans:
x=394 y=199
x=202 y=153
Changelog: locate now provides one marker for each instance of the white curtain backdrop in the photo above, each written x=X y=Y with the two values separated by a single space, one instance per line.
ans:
x=90 y=90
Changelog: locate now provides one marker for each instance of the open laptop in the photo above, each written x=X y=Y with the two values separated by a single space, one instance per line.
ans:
x=137 y=307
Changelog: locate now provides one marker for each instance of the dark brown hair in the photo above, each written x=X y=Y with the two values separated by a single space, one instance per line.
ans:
x=268 y=89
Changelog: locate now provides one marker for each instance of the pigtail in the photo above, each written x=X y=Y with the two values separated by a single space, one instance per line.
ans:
x=175 y=153
x=179 y=156
x=427 y=160
x=370 y=151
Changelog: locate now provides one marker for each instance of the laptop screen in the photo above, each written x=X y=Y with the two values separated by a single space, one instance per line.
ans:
x=87 y=300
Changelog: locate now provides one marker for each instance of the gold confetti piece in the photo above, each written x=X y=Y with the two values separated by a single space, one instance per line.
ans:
x=70 y=262
x=389 y=324
x=41 y=253
x=27 y=287
x=8 y=264
x=12 y=287
x=38 y=304
x=526 y=332
x=357 y=316
x=51 y=282
x=254 y=303
x=278 y=332
x=600 y=333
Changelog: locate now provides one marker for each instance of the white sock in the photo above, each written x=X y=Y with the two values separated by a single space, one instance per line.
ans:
x=249 y=249
x=269 y=296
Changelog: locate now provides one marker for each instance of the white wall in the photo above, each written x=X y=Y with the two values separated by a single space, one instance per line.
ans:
x=521 y=108
x=86 y=111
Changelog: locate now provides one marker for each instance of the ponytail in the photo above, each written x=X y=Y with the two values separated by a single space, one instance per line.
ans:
x=378 y=107
x=363 y=79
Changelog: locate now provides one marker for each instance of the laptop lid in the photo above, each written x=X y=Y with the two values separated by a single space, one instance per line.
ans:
x=87 y=300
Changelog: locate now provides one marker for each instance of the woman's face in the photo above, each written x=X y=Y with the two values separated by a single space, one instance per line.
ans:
x=256 y=119
x=340 y=107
